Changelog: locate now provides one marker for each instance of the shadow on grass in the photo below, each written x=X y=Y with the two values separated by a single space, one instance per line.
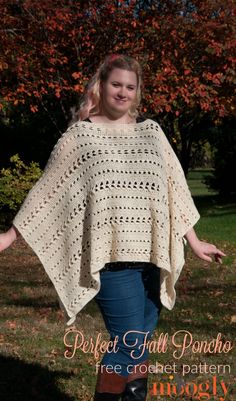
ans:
x=215 y=204
x=38 y=303
x=21 y=381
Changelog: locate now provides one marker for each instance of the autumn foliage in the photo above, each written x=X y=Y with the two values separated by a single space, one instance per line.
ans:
x=51 y=47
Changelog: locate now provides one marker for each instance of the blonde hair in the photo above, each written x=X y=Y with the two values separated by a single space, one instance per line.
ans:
x=91 y=102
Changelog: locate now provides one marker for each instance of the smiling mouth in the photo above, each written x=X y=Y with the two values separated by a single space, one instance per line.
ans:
x=120 y=100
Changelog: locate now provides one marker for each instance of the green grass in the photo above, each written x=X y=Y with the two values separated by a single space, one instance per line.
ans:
x=33 y=365
x=218 y=215
x=196 y=182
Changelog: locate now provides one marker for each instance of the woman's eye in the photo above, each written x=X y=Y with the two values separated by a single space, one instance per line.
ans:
x=117 y=85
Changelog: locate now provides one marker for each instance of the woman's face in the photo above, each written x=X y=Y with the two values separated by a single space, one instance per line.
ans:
x=119 y=92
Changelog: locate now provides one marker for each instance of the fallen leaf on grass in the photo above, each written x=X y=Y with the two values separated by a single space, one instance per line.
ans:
x=11 y=324
x=217 y=293
x=233 y=319
x=54 y=352
x=209 y=316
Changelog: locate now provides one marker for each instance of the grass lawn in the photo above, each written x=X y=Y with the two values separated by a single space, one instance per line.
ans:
x=33 y=365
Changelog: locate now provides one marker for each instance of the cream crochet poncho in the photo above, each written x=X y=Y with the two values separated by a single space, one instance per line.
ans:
x=109 y=192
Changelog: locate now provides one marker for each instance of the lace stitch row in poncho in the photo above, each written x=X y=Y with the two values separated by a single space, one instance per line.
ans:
x=109 y=192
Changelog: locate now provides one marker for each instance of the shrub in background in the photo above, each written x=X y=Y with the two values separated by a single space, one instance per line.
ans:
x=15 y=183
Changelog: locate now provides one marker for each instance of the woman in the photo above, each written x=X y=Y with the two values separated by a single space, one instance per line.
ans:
x=108 y=220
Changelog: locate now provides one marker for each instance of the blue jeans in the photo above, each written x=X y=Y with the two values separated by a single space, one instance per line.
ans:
x=129 y=301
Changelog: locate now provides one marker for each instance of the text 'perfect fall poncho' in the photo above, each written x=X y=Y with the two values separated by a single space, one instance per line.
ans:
x=109 y=192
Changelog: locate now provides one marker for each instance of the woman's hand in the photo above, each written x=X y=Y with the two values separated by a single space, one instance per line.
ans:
x=7 y=238
x=203 y=249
